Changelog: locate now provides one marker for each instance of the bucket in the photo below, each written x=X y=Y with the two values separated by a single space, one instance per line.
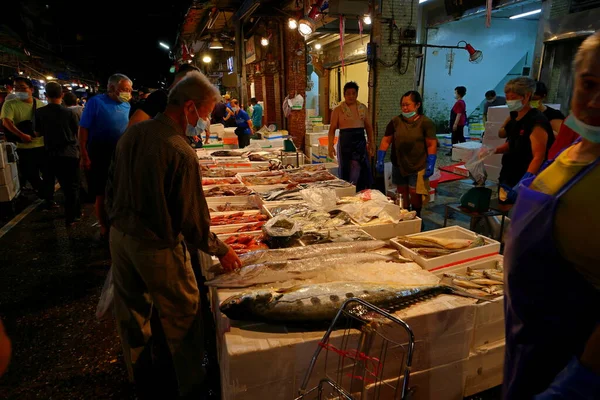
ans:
x=324 y=141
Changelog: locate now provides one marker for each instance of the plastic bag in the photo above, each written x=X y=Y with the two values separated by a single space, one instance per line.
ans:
x=282 y=226
x=374 y=195
x=476 y=167
x=106 y=297
x=320 y=198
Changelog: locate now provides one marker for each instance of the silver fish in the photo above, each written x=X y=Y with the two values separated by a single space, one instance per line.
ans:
x=280 y=271
x=320 y=302
x=494 y=274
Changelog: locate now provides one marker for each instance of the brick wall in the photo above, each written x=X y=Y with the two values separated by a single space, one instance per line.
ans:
x=269 y=111
x=295 y=82
x=389 y=83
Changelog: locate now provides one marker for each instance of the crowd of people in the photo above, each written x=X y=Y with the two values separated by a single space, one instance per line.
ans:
x=150 y=205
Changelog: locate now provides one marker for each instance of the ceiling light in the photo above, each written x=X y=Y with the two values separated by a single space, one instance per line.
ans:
x=318 y=46
x=526 y=14
x=306 y=26
x=20 y=72
x=292 y=23
x=367 y=19
x=192 y=55
x=475 y=56
x=264 y=41
x=189 y=61
x=164 y=45
x=422 y=1
x=41 y=81
x=87 y=87
x=50 y=77
x=215 y=44
x=206 y=59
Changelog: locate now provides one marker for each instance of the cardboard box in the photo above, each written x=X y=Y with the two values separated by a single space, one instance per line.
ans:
x=485 y=368
x=490 y=248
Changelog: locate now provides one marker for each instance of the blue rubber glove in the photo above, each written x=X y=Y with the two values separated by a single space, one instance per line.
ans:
x=574 y=382
x=431 y=158
x=380 y=156
x=511 y=194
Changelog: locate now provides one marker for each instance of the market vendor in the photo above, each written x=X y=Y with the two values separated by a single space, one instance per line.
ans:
x=552 y=272
x=156 y=205
x=414 y=149
x=243 y=123
x=354 y=150
x=529 y=136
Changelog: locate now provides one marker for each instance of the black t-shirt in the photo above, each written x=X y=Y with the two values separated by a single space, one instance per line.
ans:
x=520 y=154
x=553 y=114
x=58 y=125
x=156 y=102
x=218 y=113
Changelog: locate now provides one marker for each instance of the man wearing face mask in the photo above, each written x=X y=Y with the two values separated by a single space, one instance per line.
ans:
x=529 y=136
x=492 y=100
x=156 y=205
x=552 y=274
x=18 y=117
x=102 y=123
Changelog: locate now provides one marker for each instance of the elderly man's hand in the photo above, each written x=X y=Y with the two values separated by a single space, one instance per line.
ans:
x=230 y=261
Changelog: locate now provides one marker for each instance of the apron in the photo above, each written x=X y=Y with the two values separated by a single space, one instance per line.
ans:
x=353 y=160
x=550 y=309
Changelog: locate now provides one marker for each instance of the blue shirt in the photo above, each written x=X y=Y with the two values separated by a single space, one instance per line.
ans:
x=257 y=116
x=241 y=120
x=105 y=118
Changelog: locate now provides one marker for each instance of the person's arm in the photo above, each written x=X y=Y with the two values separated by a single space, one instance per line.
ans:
x=431 y=146
x=195 y=217
x=370 y=137
x=333 y=125
x=461 y=110
x=83 y=138
x=502 y=149
x=385 y=144
x=11 y=127
x=229 y=113
x=556 y=124
x=250 y=124
x=138 y=116
x=502 y=132
x=539 y=140
x=431 y=143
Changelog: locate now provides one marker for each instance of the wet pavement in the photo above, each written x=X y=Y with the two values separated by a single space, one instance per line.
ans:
x=51 y=282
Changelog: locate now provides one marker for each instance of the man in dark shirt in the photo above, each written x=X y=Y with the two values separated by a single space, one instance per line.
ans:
x=157 y=101
x=58 y=125
x=156 y=205
x=491 y=100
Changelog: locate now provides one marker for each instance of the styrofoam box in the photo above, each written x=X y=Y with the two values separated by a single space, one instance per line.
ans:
x=209 y=187
x=267 y=207
x=495 y=160
x=492 y=128
x=8 y=192
x=231 y=229
x=3 y=155
x=388 y=231
x=242 y=175
x=214 y=202
x=340 y=192
x=486 y=368
x=493 y=172
x=9 y=174
x=491 y=247
x=497 y=114
x=445 y=140
x=465 y=151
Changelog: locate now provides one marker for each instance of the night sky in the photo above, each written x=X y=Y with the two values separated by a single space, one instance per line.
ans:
x=109 y=36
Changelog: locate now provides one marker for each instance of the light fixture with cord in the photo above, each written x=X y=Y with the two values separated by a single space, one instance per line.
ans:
x=215 y=44
x=367 y=19
x=264 y=41
x=206 y=59
x=307 y=24
x=318 y=46
x=475 y=56
x=292 y=23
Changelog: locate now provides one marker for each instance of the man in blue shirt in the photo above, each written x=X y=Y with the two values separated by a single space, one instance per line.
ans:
x=257 y=114
x=243 y=123
x=104 y=119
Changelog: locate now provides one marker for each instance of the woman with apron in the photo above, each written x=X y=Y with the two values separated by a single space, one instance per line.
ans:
x=552 y=265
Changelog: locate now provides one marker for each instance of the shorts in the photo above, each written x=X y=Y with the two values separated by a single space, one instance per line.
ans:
x=399 y=180
x=100 y=157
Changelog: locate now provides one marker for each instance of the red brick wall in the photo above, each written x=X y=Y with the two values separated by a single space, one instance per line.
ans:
x=258 y=88
x=269 y=111
x=295 y=82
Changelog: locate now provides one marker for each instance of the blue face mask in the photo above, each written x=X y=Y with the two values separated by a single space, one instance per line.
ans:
x=409 y=115
x=197 y=130
x=22 y=95
x=588 y=132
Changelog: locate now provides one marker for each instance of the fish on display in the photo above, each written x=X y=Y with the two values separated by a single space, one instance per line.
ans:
x=431 y=247
x=320 y=302
x=279 y=271
x=477 y=281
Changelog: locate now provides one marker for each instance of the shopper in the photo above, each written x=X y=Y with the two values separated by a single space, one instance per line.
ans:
x=243 y=124
x=554 y=116
x=552 y=279
x=70 y=101
x=354 y=153
x=414 y=151
x=156 y=102
x=58 y=125
x=458 y=115
x=257 y=114
x=103 y=121
x=18 y=120
x=492 y=100
x=219 y=113
x=156 y=205
x=529 y=136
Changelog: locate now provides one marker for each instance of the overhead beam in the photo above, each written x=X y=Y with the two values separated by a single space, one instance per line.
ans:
x=247 y=8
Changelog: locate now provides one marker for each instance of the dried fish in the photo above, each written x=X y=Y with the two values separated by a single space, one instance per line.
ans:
x=466 y=284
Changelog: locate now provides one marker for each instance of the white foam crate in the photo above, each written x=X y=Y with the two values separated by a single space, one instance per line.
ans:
x=230 y=229
x=340 y=192
x=214 y=202
x=237 y=181
x=389 y=231
x=490 y=248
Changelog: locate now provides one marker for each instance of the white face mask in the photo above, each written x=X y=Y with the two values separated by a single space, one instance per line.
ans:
x=22 y=95
x=514 y=105
x=588 y=132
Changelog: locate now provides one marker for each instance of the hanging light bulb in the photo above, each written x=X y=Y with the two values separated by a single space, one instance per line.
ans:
x=318 y=46
x=367 y=19
x=292 y=23
x=206 y=59
x=306 y=26
x=264 y=41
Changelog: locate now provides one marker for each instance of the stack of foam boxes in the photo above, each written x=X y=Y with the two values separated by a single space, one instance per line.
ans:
x=9 y=174
x=495 y=119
